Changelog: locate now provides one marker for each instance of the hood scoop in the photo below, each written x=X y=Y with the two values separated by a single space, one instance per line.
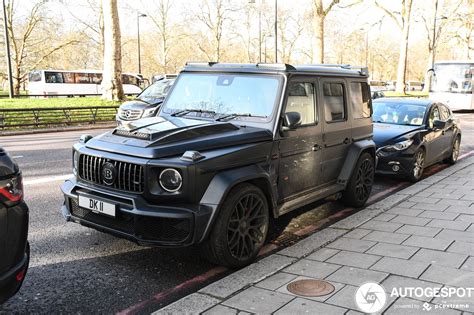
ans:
x=132 y=134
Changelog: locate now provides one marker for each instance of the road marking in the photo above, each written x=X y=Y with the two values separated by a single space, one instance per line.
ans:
x=18 y=156
x=48 y=179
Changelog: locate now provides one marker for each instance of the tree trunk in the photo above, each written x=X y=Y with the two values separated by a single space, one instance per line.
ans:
x=112 y=77
x=318 y=28
x=402 y=60
x=428 y=74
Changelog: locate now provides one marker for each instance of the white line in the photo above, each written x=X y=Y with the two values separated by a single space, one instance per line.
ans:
x=18 y=156
x=43 y=180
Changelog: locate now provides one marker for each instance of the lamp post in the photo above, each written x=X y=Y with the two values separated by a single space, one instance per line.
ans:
x=259 y=28
x=139 y=15
x=276 y=31
x=7 y=51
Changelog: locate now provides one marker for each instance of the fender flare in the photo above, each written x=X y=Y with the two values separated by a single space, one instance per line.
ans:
x=223 y=182
x=352 y=157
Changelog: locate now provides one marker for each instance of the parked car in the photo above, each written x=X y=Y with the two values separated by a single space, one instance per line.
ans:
x=377 y=94
x=147 y=103
x=14 y=247
x=233 y=145
x=412 y=134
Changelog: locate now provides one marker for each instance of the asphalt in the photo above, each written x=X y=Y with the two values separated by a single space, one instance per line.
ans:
x=75 y=269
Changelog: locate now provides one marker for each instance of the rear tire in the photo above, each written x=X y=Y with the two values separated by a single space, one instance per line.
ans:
x=240 y=229
x=418 y=166
x=453 y=157
x=360 y=184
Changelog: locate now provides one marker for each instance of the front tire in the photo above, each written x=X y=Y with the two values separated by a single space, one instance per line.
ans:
x=418 y=167
x=240 y=229
x=360 y=184
x=453 y=157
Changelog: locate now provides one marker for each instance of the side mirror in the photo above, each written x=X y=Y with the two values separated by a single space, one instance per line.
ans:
x=85 y=138
x=431 y=70
x=439 y=124
x=291 y=121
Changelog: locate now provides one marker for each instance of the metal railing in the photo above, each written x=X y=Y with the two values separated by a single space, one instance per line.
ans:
x=17 y=118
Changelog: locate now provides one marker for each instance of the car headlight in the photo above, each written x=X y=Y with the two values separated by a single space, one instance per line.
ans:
x=400 y=146
x=75 y=162
x=149 y=112
x=170 y=180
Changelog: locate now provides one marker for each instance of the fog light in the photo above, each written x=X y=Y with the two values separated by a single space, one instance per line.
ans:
x=395 y=168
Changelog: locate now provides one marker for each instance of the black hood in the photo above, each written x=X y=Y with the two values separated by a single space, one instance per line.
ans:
x=385 y=134
x=141 y=105
x=158 y=137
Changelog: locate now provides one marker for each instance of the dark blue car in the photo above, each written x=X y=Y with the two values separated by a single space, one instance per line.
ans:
x=412 y=134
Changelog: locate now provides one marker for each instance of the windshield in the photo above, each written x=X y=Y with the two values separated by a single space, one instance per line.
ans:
x=398 y=113
x=454 y=78
x=158 y=89
x=224 y=94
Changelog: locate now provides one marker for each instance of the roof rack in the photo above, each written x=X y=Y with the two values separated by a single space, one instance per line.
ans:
x=273 y=66
x=363 y=70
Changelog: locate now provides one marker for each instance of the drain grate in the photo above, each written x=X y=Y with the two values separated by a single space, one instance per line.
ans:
x=310 y=287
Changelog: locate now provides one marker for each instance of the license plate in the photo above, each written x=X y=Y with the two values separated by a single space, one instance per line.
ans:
x=97 y=206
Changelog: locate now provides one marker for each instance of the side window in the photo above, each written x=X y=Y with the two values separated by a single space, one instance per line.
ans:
x=360 y=100
x=301 y=100
x=82 y=78
x=434 y=114
x=445 y=114
x=53 y=77
x=333 y=99
x=34 y=76
x=68 y=77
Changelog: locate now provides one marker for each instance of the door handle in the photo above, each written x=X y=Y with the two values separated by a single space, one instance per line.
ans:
x=316 y=147
x=347 y=141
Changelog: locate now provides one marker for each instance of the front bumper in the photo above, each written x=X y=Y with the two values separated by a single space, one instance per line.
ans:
x=136 y=219
x=394 y=163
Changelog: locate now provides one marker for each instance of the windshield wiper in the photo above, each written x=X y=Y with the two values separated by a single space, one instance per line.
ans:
x=235 y=115
x=187 y=111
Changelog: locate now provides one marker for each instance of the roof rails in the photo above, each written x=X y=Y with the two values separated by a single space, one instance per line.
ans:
x=363 y=70
x=272 y=66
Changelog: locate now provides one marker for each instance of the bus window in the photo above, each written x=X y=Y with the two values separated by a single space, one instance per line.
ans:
x=53 y=77
x=34 y=76
x=68 y=77
x=129 y=79
x=81 y=78
x=96 y=78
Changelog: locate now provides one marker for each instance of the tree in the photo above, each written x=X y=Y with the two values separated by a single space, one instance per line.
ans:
x=402 y=20
x=464 y=32
x=161 y=19
x=112 y=75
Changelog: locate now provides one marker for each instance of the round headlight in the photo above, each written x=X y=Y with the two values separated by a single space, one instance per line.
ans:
x=170 y=180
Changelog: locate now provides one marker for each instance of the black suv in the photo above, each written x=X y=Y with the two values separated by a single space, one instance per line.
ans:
x=232 y=145
x=14 y=248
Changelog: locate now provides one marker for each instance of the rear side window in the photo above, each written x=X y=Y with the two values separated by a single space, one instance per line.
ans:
x=360 y=100
x=333 y=99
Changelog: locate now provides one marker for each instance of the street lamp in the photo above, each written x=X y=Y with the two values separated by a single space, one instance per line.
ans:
x=139 y=15
x=259 y=28
x=276 y=31
x=7 y=51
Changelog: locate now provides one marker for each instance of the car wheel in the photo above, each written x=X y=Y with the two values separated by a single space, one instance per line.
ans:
x=418 y=165
x=240 y=229
x=453 y=157
x=360 y=184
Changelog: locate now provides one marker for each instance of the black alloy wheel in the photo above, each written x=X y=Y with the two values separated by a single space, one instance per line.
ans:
x=360 y=184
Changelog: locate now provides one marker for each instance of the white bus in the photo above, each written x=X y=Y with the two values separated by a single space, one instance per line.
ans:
x=452 y=84
x=75 y=83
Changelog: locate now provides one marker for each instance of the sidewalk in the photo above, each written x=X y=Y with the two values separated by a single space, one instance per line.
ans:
x=421 y=237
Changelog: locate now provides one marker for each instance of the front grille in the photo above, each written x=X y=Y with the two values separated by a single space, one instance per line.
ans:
x=130 y=114
x=129 y=177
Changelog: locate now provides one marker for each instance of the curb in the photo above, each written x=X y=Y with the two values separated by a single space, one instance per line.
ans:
x=59 y=129
x=217 y=292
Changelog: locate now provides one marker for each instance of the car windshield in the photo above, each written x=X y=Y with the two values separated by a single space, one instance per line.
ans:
x=247 y=96
x=157 y=90
x=398 y=113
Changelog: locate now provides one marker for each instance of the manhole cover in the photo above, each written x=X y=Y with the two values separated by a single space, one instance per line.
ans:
x=310 y=287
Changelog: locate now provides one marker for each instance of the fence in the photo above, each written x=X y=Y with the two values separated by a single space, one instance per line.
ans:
x=16 y=118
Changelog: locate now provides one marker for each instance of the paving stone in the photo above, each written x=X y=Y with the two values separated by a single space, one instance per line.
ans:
x=393 y=250
x=418 y=230
x=423 y=200
x=388 y=202
x=352 y=244
x=323 y=254
x=429 y=206
x=452 y=225
x=381 y=226
x=406 y=204
x=437 y=257
x=401 y=267
x=353 y=259
x=218 y=310
x=399 y=282
x=461 y=209
x=248 y=275
x=410 y=220
x=414 y=189
x=450 y=195
x=357 y=219
x=385 y=217
x=405 y=211
x=356 y=276
x=461 y=248
x=449 y=276
x=468 y=197
x=386 y=237
x=312 y=268
x=456 y=236
x=469 y=264
x=357 y=233
x=305 y=306
x=428 y=242
x=193 y=304
x=337 y=286
x=257 y=300
x=470 y=228
x=466 y=218
x=311 y=243
x=276 y=281
x=463 y=203
x=438 y=215
x=404 y=306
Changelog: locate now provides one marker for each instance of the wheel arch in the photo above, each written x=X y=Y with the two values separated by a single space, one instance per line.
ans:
x=355 y=151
